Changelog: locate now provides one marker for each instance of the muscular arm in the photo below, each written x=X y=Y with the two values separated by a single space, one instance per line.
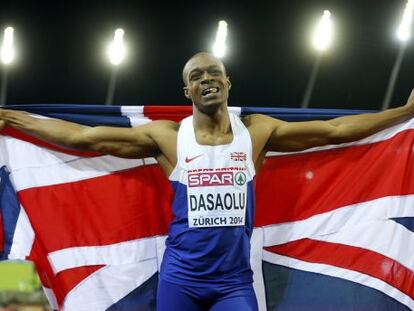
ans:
x=277 y=135
x=124 y=142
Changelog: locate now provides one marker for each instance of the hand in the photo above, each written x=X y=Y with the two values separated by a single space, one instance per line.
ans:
x=410 y=103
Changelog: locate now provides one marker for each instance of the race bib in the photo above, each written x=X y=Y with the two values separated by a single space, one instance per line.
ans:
x=217 y=197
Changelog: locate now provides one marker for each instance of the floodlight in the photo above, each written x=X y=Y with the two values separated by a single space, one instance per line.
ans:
x=7 y=49
x=116 y=50
x=322 y=36
x=219 y=47
x=404 y=30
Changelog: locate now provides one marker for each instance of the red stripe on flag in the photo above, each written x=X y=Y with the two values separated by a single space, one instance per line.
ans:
x=174 y=113
x=351 y=258
x=63 y=282
x=122 y=206
x=69 y=279
x=9 y=131
x=296 y=187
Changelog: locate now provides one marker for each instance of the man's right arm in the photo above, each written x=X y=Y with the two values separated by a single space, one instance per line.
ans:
x=123 y=142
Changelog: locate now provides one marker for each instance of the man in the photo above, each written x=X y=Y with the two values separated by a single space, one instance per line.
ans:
x=211 y=159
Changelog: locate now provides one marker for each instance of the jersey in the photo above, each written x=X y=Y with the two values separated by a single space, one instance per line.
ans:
x=213 y=209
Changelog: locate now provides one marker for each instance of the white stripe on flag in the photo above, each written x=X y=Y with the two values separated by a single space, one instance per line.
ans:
x=379 y=136
x=256 y=260
x=340 y=219
x=23 y=237
x=160 y=249
x=377 y=236
x=108 y=285
x=135 y=115
x=50 y=295
x=340 y=273
x=114 y=254
x=34 y=166
x=18 y=154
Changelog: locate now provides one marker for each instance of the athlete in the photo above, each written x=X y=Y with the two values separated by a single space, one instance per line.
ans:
x=211 y=159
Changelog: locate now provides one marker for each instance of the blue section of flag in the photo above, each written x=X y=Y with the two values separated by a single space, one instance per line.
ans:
x=407 y=222
x=297 y=114
x=111 y=115
x=67 y=108
x=92 y=120
x=91 y=115
x=10 y=209
x=291 y=289
x=142 y=298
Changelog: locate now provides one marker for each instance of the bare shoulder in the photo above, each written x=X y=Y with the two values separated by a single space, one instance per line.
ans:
x=163 y=132
x=252 y=119
x=260 y=128
x=164 y=125
x=261 y=121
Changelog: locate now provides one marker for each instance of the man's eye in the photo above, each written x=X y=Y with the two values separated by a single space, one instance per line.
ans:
x=195 y=77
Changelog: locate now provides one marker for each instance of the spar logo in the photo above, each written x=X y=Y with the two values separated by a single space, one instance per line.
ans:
x=211 y=179
x=240 y=178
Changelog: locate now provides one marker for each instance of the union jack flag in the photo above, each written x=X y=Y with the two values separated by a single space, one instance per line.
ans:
x=333 y=227
x=238 y=156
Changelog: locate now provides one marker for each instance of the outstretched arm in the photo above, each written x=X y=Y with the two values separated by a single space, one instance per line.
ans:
x=303 y=135
x=277 y=135
x=124 y=142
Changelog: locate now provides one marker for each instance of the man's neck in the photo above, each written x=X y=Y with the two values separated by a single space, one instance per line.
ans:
x=217 y=123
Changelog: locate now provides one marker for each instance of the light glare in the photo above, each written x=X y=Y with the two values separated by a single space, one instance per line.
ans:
x=7 y=49
x=322 y=36
x=404 y=30
x=116 y=50
x=219 y=47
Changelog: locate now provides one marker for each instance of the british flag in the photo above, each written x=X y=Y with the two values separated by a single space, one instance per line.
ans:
x=333 y=227
x=238 y=156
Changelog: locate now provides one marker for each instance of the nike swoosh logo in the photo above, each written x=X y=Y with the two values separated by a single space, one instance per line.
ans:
x=188 y=160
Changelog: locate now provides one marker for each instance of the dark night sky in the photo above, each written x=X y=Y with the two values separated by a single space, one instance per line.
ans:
x=61 y=44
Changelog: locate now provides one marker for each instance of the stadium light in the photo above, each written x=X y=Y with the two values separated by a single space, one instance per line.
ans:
x=116 y=50
x=321 y=41
x=7 y=56
x=322 y=36
x=403 y=35
x=219 y=47
x=404 y=30
x=116 y=53
x=7 y=48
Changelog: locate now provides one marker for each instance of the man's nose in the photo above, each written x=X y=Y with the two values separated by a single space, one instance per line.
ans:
x=206 y=77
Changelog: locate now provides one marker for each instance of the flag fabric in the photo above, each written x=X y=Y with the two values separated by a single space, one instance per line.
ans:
x=333 y=226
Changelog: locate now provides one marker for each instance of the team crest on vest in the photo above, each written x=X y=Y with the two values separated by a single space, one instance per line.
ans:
x=238 y=156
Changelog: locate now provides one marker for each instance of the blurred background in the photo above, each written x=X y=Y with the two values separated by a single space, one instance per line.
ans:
x=20 y=288
x=61 y=51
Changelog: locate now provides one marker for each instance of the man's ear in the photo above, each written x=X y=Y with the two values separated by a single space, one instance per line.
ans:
x=186 y=94
x=228 y=82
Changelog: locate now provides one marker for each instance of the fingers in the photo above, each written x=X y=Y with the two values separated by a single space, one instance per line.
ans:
x=411 y=97
x=410 y=100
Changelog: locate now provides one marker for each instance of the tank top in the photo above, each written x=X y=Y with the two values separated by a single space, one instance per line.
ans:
x=213 y=209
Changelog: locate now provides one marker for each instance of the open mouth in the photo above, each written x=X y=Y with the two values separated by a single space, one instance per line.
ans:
x=210 y=90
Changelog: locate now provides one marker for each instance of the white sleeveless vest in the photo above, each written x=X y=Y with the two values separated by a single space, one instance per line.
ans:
x=216 y=177
x=209 y=238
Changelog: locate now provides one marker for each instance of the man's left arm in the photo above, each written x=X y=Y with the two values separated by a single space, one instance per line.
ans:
x=296 y=136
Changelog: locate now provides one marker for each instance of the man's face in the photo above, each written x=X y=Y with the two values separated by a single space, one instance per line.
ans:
x=206 y=83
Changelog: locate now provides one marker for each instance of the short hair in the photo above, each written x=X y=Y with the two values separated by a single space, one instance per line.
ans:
x=184 y=73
